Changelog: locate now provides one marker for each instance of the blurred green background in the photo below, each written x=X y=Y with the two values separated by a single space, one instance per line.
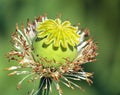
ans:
x=102 y=17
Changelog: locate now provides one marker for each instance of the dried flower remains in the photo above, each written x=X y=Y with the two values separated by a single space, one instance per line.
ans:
x=52 y=51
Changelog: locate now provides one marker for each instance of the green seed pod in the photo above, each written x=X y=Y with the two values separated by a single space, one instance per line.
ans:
x=56 y=54
x=55 y=42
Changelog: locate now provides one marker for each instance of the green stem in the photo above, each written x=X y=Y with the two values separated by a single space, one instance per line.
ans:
x=44 y=86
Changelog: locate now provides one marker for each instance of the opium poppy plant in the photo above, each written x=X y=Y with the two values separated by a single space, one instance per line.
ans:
x=54 y=51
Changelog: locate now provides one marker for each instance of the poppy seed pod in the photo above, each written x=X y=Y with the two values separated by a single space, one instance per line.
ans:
x=56 y=41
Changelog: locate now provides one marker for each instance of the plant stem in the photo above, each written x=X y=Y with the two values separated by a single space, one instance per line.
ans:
x=44 y=86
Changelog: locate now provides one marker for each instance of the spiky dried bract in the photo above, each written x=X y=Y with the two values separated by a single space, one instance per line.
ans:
x=24 y=55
